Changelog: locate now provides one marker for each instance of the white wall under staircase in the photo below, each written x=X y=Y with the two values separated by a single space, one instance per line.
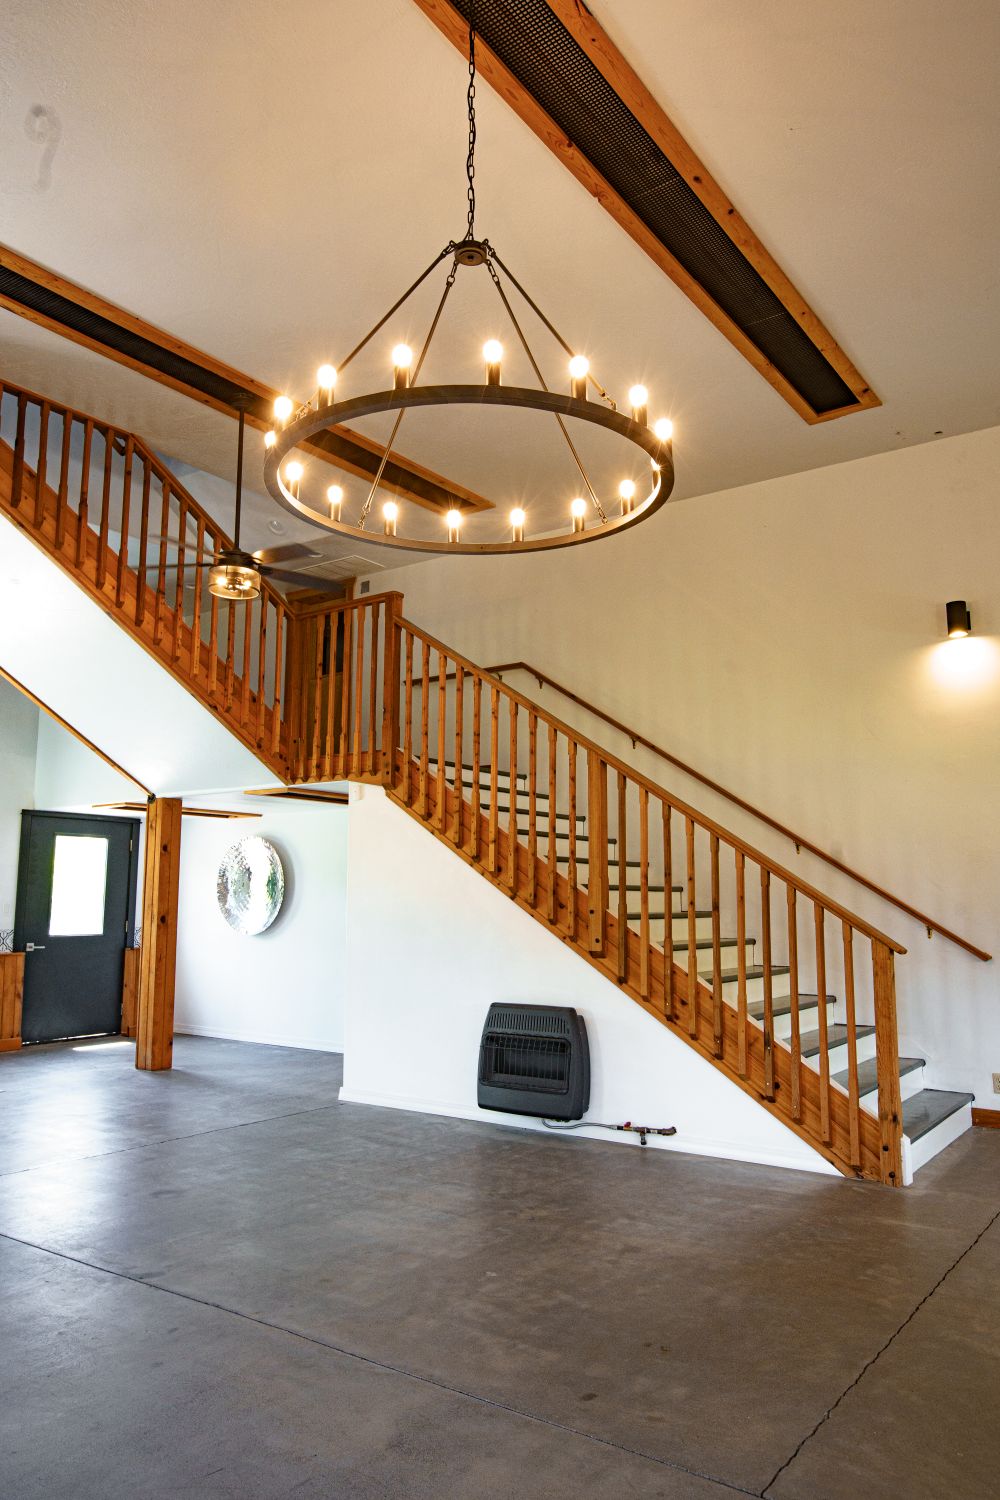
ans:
x=431 y=944
x=70 y=654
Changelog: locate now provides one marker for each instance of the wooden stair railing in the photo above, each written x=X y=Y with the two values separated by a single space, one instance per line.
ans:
x=647 y=889
x=95 y=498
x=666 y=903
x=798 y=839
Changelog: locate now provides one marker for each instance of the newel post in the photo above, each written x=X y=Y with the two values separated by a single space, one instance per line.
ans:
x=390 y=687
x=890 y=1108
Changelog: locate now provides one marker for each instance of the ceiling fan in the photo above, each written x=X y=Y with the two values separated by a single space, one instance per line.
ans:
x=235 y=573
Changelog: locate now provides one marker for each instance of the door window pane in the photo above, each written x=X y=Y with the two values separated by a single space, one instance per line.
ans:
x=79 y=879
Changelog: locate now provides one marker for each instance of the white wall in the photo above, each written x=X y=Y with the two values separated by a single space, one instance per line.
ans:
x=431 y=945
x=287 y=985
x=76 y=659
x=18 y=739
x=70 y=777
x=786 y=638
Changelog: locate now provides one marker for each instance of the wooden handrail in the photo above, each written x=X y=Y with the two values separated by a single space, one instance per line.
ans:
x=833 y=908
x=797 y=839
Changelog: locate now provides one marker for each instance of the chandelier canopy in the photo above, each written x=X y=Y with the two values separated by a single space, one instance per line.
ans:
x=591 y=516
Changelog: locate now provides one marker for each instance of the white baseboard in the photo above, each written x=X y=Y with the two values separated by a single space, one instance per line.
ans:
x=305 y=1044
x=809 y=1161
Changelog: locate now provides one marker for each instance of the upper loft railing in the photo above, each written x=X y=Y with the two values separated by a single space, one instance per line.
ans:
x=798 y=839
x=111 y=513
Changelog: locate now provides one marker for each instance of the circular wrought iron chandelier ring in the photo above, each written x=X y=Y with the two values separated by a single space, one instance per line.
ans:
x=313 y=420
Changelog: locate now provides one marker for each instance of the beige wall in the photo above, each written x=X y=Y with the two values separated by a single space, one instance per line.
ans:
x=787 y=639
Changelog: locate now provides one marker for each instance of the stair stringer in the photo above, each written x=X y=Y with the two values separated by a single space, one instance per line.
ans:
x=430 y=947
x=516 y=883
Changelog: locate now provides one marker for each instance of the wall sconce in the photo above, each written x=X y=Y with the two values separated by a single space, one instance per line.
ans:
x=958 y=618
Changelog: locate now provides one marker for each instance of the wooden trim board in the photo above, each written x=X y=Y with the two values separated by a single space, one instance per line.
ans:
x=990 y=1118
x=11 y=997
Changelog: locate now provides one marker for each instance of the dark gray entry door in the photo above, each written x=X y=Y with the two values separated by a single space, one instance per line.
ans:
x=74 y=918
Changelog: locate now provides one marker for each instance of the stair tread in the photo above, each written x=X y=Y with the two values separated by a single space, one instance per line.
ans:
x=676 y=916
x=782 y=1005
x=921 y=1112
x=753 y=971
x=835 y=1035
x=705 y=943
x=868 y=1073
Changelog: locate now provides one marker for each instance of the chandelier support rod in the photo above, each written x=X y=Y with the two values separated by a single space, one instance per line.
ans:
x=399 y=415
x=551 y=327
x=239 y=477
x=395 y=307
x=541 y=381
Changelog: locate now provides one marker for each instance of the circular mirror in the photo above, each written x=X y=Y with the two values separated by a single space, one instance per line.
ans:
x=251 y=885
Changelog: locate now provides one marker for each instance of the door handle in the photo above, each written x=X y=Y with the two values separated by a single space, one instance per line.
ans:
x=34 y=947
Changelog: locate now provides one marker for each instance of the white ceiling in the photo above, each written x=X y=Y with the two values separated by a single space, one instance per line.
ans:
x=263 y=179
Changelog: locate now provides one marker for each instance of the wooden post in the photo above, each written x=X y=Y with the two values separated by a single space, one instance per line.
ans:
x=890 y=1109
x=390 y=687
x=158 y=954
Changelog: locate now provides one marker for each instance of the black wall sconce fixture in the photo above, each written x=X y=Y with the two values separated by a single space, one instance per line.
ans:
x=958 y=618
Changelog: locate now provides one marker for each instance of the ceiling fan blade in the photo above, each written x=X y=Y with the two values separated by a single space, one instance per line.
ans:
x=292 y=552
x=306 y=581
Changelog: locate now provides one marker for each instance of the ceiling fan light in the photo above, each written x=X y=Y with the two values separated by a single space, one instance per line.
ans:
x=233 y=581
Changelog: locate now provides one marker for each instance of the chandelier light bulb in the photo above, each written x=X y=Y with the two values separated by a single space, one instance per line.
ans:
x=664 y=429
x=270 y=438
x=326 y=379
x=578 y=510
x=493 y=354
x=390 y=515
x=453 y=521
x=335 y=495
x=517 y=524
x=626 y=491
x=283 y=409
x=294 y=472
x=402 y=359
x=579 y=367
x=638 y=399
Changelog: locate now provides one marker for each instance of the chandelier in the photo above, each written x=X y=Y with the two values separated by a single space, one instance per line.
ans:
x=589 y=517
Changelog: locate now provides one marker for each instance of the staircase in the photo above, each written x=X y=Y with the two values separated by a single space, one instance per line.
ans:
x=785 y=991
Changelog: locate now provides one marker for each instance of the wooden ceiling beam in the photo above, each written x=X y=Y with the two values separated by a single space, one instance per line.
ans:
x=622 y=77
x=357 y=454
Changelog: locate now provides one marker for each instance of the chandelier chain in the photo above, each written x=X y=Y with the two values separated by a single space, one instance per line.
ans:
x=470 y=161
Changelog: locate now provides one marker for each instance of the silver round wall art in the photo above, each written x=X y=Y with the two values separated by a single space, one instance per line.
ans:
x=251 y=885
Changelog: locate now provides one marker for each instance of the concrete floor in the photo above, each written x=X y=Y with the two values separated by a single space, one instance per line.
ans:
x=219 y=1282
